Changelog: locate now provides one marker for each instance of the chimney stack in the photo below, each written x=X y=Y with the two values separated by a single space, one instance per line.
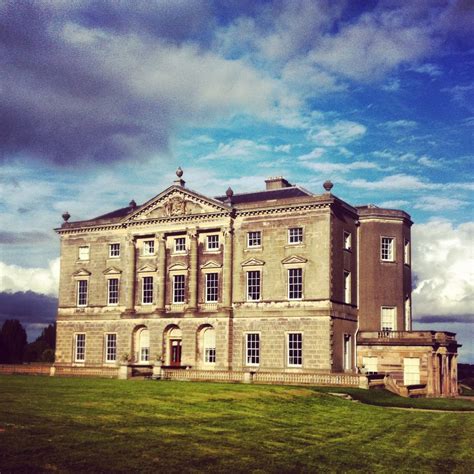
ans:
x=277 y=182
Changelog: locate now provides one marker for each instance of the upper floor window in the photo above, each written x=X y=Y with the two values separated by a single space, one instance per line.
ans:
x=347 y=240
x=407 y=252
x=180 y=244
x=114 y=250
x=179 y=288
x=79 y=347
x=82 y=292
x=253 y=285
x=295 y=349
x=295 y=283
x=388 y=318
x=84 y=252
x=347 y=287
x=112 y=291
x=387 y=249
x=295 y=235
x=253 y=349
x=110 y=347
x=254 y=239
x=212 y=242
x=147 y=290
x=212 y=287
x=148 y=247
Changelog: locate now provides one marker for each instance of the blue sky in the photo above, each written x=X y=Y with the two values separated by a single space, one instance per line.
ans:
x=101 y=101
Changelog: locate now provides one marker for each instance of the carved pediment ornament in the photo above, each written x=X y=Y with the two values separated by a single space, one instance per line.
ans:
x=211 y=264
x=294 y=259
x=252 y=262
x=177 y=266
x=175 y=206
x=82 y=272
x=112 y=271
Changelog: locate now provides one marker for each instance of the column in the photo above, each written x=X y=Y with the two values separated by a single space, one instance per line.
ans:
x=445 y=375
x=130 y=275
x=227 y=271
x=162 y=275
x=193 y=270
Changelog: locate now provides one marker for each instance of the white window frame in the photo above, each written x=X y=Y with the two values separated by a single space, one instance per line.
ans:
x=254 y=239
x=295 y=235
x=81 y=292
x=294 y=349
x=114 y=250
x=80 y=349
x=143 y=351
x=254 y=351
x=180 y=245
x=389 y=250
x=212 y=242
x=84 y=253
x=149 y=247
x=406 y=252
x=394 y=318
x=110 y=345
x=175 y=288
x=212 y=290
x=109 y=292
x=347 y=287
x=146 y=280
x=347 y=240
x=371 y=364
x=209 y=353
x=248 y=285
x=293 y=285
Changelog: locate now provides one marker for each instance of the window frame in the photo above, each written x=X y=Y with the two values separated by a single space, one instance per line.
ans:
x=208 y=353
x=256 y=350
x=347 y=287
x=251 y=238
x=407 y=252
x=117 y=297
x=295 y=349
x=183 y=243
x=79 y=256
x=215 y=245
x=247 y=285
x=214 y=289
x=78 y=335
x=147 y=291
x=298 y=235
x=183 y=289
x=394 y=318
x=392 y=240
x=112 y=252
x=147 y=244
x=347 y=241
x=108 y=348
x=80 y=292
x=297 y=283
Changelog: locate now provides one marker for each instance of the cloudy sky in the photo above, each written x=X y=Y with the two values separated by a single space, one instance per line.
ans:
x=101 y=101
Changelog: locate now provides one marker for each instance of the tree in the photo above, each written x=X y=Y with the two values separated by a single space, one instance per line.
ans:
x=49 y=336
x=12 y=341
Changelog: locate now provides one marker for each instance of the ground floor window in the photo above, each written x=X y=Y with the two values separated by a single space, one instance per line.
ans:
x=411 y=371
x=370 y=364
x=295 y=349
x=253 y=348
x=209 y=343
x=110 y=347
x=79 y=347
x=143 y=345
x=347 y=355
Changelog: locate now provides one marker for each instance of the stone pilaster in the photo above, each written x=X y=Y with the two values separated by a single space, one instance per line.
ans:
x=130 y=275
x=193 y=269
x=227 y=271
x=162 y=277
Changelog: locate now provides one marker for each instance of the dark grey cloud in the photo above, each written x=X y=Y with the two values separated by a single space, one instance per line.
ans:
x=458 y=318
x=20 y=238
x=33 y=310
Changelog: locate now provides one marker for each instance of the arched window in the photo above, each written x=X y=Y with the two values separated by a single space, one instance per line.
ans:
x=143 y=345
x=209 y=345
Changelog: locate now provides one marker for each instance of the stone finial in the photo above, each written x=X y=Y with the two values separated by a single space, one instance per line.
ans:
x=179 y=172
x=229 y=193
x=327 y=185
x=132 y=204
x=66 y=216
x=180 y=181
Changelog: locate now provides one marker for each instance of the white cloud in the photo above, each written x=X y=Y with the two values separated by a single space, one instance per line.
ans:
x=431 y=70
x=341 y=167
x=392 y=85
x=399 y=124
x=282 y=148
x=443 y=261
x=395 y=204
x=40 y=280
x=428 y=162
x=237 y=149
x=340 y=133
x=439 y=203
x=315 y=153
x=393 y=182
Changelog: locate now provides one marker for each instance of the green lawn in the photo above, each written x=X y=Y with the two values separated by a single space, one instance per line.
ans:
x=89 y=425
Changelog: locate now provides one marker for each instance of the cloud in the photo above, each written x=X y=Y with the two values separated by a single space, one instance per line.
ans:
x=340 y=133
x=431 y=70
x=439 y=203
x=39 y=280
x=20 y=238
x=237 y=149
x=329 y=168
x=399 y=124
x=443 y=262
x=392 y=85
x=315 y=153
x=395 y=204
x=394 y=182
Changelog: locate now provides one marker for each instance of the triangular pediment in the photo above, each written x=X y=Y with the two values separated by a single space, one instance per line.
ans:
x=177 y=266
x=82 y=272
x=177 y=201
x=211 y=264
x=147 y=268
x=112 y=271
x=252 y=262
x=294 y=259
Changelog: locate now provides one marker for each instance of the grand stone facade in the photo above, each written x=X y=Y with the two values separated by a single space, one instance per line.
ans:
x=280 y=285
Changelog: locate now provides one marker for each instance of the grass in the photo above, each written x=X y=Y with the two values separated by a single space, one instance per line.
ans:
x=97 y=425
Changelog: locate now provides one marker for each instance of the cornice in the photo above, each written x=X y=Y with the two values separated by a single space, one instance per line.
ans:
x=288 y=208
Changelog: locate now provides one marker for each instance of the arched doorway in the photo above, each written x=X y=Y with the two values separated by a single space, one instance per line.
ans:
x=174 y=338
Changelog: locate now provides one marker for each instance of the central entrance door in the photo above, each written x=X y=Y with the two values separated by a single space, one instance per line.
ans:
x=175 y=355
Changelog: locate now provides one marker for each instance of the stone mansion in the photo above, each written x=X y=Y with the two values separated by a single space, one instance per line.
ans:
x=276 y=286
